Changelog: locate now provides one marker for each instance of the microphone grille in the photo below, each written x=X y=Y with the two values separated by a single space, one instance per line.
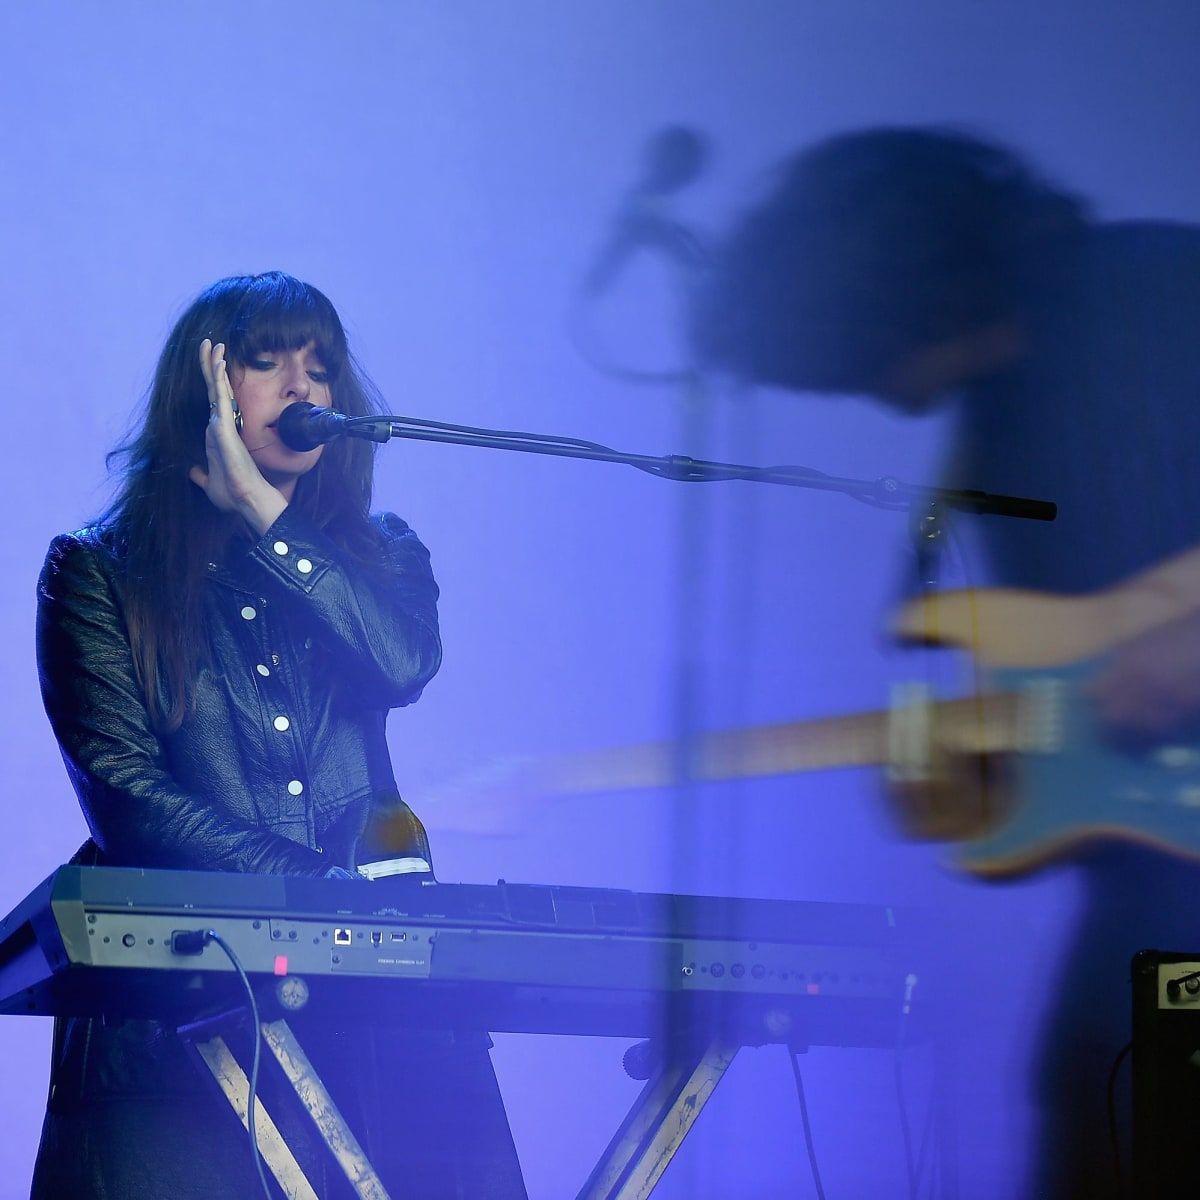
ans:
x=296 y=426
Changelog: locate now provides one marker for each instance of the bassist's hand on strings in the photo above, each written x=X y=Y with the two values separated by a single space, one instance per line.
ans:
x=1149 y=690
x=943 y=783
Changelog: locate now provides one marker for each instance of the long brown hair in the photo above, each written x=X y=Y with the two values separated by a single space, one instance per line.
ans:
x=163 y=528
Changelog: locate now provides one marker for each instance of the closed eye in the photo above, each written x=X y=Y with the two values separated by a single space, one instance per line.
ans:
x=316 y=374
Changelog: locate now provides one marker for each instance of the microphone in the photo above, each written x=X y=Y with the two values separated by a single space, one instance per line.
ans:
x=305 y=426
x=671 y=159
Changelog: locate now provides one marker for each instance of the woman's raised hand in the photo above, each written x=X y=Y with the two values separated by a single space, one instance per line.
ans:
x=233 y=482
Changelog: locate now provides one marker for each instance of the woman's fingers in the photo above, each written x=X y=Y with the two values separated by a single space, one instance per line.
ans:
x=221 y=401
x=230 y=478
x=209 y=355
x=226 y=389
x=206 y=365
x=220 y=395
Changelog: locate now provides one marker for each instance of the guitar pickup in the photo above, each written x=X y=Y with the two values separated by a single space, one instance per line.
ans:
x=909 y=734
x=1040 y=726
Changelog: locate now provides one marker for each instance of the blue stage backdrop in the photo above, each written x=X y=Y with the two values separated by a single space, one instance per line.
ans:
x=444 y=173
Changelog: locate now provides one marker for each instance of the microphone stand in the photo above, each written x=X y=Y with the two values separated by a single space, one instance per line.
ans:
x=886 y=492
x=927 y=506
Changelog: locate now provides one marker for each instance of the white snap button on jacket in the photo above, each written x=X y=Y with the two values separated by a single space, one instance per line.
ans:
x=262 y=669
x=303 y=566
x=280 y=547
x=281 y=723
x=295 y=787
x=248 y=613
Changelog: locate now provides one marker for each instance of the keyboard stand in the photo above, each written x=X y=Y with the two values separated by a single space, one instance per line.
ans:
x=234 y=1084
x=629 y=1169
x=658 y=1121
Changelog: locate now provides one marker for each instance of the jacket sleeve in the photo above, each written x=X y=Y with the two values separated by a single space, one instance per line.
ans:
x=137 y=813
x=380 y=624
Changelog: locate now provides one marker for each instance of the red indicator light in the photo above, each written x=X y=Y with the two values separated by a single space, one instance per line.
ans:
x=281 y=964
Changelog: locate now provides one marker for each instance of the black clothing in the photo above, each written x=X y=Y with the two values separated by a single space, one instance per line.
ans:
x=282 y=755
x=1102 y=415
x=424 y=1106
x=279 y=764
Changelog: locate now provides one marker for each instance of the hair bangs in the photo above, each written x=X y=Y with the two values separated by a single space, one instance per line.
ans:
x=278 y=312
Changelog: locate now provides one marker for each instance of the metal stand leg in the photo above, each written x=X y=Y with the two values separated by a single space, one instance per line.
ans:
x=657 y=1123
x=277 y=1155
x=343 y=1145
x=314 y=1098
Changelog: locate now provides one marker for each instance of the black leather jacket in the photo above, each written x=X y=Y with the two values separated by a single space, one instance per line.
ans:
x=278 y=767
x=282 y=758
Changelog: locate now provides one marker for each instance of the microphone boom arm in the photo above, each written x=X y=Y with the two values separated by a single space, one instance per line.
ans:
x=886 y=492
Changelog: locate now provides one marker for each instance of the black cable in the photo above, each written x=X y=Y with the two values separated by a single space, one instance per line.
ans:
x=589 y=349
x=905 y=1132
x=1113 y=1136
x=910 y=1164
x=794 y=1055
x=924 y=1150
x=211 y=935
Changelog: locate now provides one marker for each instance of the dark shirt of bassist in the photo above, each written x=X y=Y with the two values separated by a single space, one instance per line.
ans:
x=924 y=267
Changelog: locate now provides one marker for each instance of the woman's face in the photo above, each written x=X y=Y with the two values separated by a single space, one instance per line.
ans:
x=263 y=387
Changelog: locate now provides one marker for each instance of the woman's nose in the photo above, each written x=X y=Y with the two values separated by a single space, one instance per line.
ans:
x=296 y=383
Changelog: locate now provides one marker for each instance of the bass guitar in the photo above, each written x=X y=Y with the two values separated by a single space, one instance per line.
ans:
x=1020 y=774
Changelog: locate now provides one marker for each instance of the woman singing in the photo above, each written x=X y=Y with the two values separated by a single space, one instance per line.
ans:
x=218 y=656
